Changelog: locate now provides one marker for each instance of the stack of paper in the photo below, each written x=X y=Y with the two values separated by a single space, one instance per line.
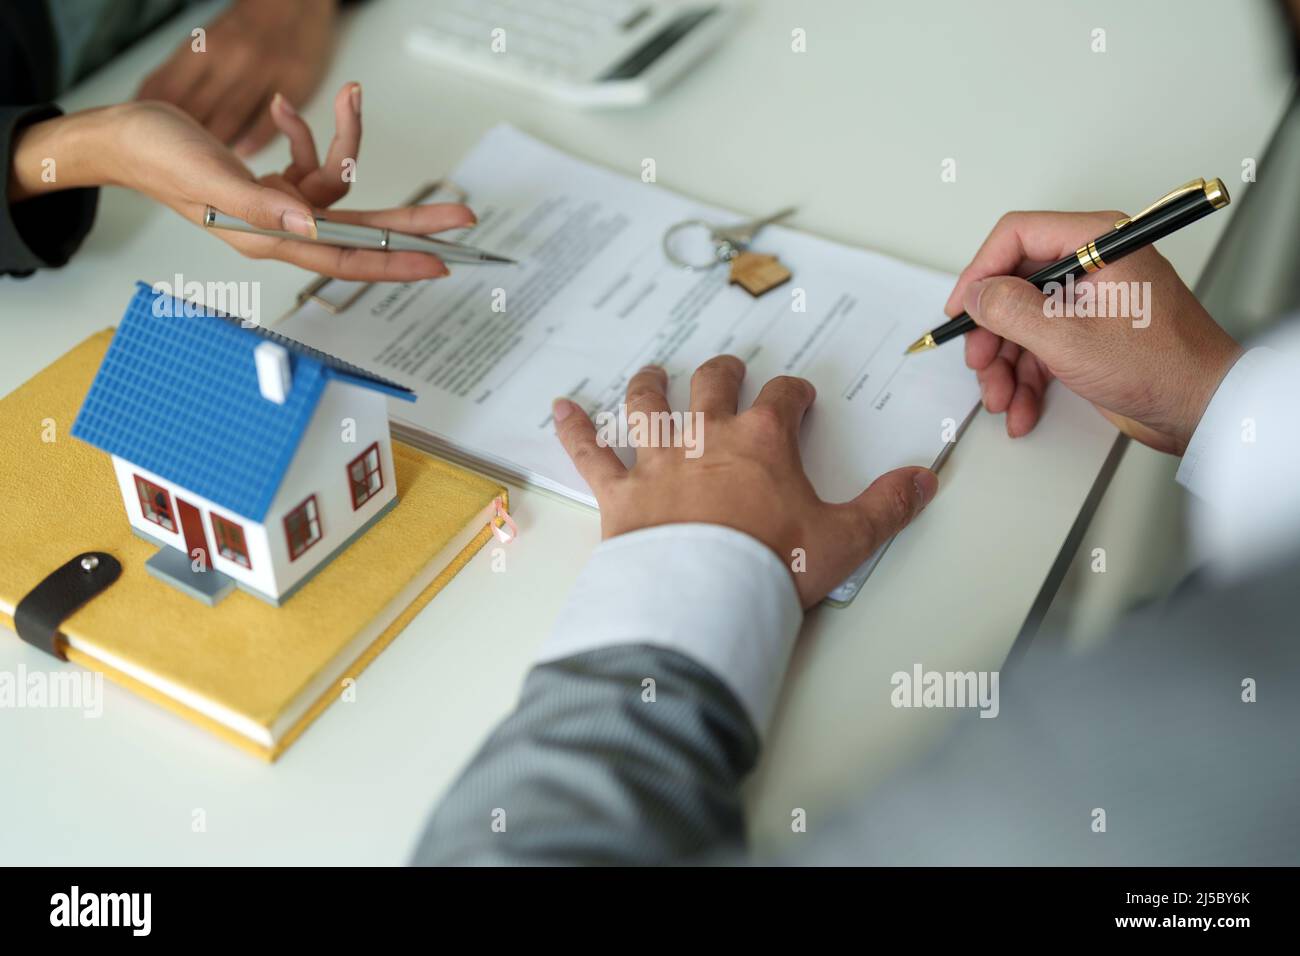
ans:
x=595 y=298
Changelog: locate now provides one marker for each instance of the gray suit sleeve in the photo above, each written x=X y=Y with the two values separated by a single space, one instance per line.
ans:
x=597 y=766
x=1174 y=745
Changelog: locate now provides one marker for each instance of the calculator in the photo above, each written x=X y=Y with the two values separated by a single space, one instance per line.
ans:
x=586 y=53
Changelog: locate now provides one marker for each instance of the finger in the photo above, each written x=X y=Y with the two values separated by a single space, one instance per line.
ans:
x=788 y=399
x=715 y=386
x=1014 y=309
x=596 y=463
x=259 y=132
x=366 y=265
x=328 y=184
x=981 y=348
x=647 y=391
x=1001 y=377
x=414 y=220
x=151 y=87
x=1038 y=236
x=888 y=505
x=998 y=379
x=647 y=395
x=237 y=112
x=302 y=145
x=176 y=77
x=205 y=100
x=997 y=385
x=260 y=205
x=277 y=181
x=1026 y=404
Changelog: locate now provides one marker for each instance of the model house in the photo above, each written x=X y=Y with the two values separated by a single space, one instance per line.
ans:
x=250 y=458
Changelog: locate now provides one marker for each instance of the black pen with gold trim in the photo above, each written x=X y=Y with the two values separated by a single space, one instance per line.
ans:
x=1169 y=213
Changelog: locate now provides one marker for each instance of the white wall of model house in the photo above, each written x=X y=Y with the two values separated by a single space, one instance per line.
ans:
x=260 y=577
x=348 y=420
x=320 y=468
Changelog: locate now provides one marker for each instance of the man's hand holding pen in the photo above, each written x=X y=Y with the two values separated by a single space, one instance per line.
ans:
x=1153 y=381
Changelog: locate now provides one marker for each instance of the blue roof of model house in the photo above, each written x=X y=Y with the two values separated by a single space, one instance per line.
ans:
x=177 y=394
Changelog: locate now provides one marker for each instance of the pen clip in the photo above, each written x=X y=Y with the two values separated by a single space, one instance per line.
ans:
x=1194 y=186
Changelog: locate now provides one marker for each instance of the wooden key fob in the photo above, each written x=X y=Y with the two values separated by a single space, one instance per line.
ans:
x=757 y=273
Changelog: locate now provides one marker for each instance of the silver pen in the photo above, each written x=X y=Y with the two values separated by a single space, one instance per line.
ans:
x=362 y=237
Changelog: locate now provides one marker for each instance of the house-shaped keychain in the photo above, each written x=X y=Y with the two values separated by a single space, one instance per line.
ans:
x=253 y=459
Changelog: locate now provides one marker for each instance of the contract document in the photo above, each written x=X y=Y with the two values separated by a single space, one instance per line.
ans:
x=594 y=299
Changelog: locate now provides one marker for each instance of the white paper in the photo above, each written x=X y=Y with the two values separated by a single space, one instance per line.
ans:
x=595 y=298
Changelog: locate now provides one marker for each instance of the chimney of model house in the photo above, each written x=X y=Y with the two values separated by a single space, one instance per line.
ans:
x=273 y=377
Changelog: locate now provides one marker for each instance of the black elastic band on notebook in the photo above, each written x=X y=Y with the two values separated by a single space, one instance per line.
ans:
x=38 y=616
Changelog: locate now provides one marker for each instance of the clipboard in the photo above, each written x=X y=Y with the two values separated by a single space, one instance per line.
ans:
x=335 y=296
x=843 y=594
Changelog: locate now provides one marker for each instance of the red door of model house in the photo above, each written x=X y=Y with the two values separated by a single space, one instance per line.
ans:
x=196 y=543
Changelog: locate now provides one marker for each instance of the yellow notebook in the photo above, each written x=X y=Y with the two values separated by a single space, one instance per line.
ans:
x=254 y=674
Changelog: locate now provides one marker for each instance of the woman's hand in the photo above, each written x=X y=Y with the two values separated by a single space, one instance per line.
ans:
x=158 y=150
x=249 y=53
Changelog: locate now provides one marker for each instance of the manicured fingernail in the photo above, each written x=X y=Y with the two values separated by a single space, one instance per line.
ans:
x=283 y=104
x=561 y=408
x=971 y=300
x=473 y=219
x=655 y=370
x=356 y=97
x=927 y=486
x=299 y=222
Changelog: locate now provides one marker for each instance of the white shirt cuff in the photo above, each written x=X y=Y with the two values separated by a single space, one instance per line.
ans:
x=1239 y=401
x=712 y=593
x=1243 y=464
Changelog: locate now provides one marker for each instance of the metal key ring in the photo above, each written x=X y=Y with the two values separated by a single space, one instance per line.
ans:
x=723 y=250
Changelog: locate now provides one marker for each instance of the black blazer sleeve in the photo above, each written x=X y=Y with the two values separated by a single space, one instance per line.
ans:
x=44 y=231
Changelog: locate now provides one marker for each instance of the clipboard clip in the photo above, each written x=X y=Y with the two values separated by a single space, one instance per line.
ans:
x=312 y=291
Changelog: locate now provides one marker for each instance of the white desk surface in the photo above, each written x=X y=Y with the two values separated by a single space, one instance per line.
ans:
x=854 y=132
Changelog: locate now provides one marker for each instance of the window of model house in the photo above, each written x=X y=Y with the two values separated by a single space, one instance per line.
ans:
x=364 y=476
x=230 y=541
x=302 y=527
x=155 y=503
